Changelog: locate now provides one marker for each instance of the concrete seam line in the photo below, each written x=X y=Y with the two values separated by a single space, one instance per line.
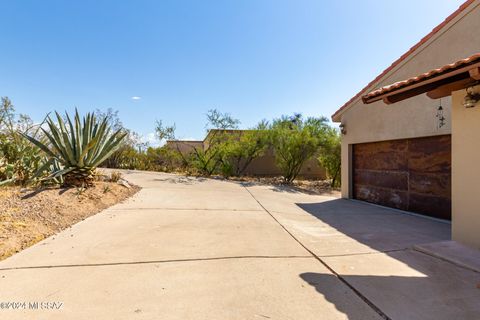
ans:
x=361 y=254
x=107 y=264
x=337 y=275
x=459 y=265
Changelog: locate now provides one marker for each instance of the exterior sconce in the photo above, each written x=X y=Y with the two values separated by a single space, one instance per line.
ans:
x=471 y=99
x=343 y=128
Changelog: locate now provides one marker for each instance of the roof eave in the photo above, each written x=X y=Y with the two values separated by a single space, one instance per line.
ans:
x=436 y=87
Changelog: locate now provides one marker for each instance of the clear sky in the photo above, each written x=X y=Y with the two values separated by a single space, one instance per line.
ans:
x=256 y=59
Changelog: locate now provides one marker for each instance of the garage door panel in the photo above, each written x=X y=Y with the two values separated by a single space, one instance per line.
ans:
x=438 y=184
x=439 y=207
x=432 y=154
x=408 y=174
x=381 y=156
x=392 y=179
x=383 y=196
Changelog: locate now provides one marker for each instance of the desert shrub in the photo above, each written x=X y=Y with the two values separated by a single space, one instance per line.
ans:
x=330 y=156
x=207 y=159
x=115 y=176
x=165 y=159
x=239 y=150
x=20 y=162
x=295 y=140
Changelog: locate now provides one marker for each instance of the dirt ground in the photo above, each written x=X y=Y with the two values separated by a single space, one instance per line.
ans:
x=28 y=216
x=307 y=186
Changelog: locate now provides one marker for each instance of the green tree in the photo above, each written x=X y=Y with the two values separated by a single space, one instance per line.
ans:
x=207 y=158
x=130 y=152
x=295 y=140
x=330 y=156
x=239 y=150
x=20 y=162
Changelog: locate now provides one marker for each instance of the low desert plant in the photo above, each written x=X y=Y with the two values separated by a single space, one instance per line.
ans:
x=80 y=190
x=115 y=176
x=78 y=146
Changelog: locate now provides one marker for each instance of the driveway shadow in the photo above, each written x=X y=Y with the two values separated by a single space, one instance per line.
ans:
x=399 y=297
x=182 y=180
x=403 y=283
x=377 y=227
x=327 y=286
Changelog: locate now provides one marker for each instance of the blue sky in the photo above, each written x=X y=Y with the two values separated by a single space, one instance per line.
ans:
x=255 y=59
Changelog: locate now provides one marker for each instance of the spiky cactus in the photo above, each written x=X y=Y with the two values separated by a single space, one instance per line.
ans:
x=79 y=146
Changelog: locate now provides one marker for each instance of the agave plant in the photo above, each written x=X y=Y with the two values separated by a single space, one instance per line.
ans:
x=76 y=148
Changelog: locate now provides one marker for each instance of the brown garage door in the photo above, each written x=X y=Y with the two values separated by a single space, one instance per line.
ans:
x=409 y=174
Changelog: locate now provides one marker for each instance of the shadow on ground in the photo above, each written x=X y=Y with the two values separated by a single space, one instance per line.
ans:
x=182 y=180
x=286 y=188
x=403 y=283
x=379 y=228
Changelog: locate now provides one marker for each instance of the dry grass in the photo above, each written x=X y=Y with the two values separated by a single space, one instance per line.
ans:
x=29 y=215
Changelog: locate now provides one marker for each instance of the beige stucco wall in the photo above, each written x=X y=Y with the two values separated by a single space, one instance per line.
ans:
x=185 y=147
x=415 y=117
x=262 y=166
x=265 y=166
x=465 y=171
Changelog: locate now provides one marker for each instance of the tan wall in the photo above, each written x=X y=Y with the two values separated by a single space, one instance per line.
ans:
x=265 y=166
x=185 y=147
x=465 y=171
x=413 y=117
x=261 y=166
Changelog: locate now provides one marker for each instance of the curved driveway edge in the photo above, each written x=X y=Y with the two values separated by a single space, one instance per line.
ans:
x=193 y=248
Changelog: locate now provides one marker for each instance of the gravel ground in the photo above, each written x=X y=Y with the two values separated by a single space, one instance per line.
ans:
x=28 y=216
x=307 y=186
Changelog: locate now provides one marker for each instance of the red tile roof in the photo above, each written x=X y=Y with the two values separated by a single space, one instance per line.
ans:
x=406 y=54
x=424 y=76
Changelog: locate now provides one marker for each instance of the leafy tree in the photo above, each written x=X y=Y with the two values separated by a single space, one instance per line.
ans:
x=240 y=150
x=207 y=158
x=7 y=114
x=295 y=140
x=330 y=156
x=165 y=133
x=20 y=162
x=128 y=154
x=219 y=120
x=219 y=125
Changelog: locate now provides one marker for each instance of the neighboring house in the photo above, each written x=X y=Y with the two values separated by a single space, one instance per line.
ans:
x=419 y=152
x=185 y=147
x=261 y=166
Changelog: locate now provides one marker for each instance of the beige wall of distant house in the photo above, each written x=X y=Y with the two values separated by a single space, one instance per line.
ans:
x=266 y=166
x=465 y=171
x=415 y=117
x=185 y=147
x=261 y=166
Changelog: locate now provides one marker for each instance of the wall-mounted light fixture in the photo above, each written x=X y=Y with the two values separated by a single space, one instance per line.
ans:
x=343 y=128
x=471 y=99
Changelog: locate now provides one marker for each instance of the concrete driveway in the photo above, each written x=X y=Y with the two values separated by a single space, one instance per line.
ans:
x=186 y=248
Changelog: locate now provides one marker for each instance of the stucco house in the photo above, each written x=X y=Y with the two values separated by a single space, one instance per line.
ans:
x=263 y=166
x=411 y=137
